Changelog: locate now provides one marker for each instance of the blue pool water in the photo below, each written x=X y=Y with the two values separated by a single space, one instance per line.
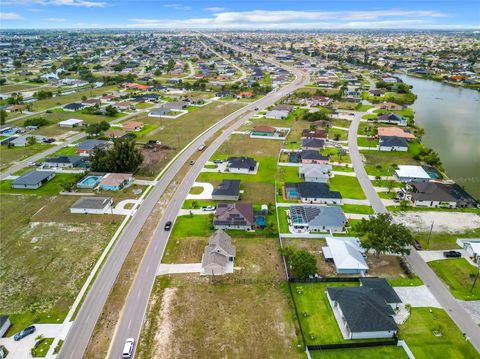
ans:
x=89 y=182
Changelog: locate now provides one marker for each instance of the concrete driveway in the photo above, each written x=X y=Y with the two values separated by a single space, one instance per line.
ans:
x=207 y=191
x=179 y=268
x=429 y=256
x=120 y=207
x=418 y=296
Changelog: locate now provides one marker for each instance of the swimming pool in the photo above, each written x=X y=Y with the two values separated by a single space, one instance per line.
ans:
x=89 y=182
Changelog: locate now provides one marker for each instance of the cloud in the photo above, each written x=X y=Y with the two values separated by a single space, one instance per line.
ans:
x=56 y=19
x=215 y=9
x=75 y=3
x=10 y=16
x=178 y=7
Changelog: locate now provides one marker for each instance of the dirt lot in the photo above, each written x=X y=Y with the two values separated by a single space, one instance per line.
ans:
x=154 y=160
x=443 y=221
x=193 y=318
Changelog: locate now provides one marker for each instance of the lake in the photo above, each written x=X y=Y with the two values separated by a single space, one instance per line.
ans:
x=451 y=119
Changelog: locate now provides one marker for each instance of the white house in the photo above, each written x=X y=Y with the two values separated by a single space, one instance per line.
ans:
x=71 y=122
x=408 y=173
x=347 y=255
x=92 y=205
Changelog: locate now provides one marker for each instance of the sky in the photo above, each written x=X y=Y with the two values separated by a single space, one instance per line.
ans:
x=241 y=14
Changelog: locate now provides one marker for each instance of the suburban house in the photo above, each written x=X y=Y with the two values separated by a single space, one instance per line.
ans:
x=471 y=247
x=242 y=165
x=32 y=179
x=395 y=131
x=409 y=173
x=124 y=105
x=71 y=122
x=347 y=255
x=392 y=106
x=263 y=130
x=132 y=126
x=87 y=147
x=219 y=254
x=158 y=112
x=313 y=144
x=4 y=325
x=115 y=181
x=392 y=118
x=72 y=107
x=234 y=216
x=245 y=94
x=23 y=141
x=92 y=205
x=283 y=107
x=66 y=162
x=312 y=192
x=315 y=172
x=312 y=156
x=176 y=105
x=363 y=312
x=319 y=101
x=305 y=218
x=376 y=93
x=228 y=190
x=277 y=114
x=319 y=133
x=116 y=133
x=392 y=143
x=439 y=194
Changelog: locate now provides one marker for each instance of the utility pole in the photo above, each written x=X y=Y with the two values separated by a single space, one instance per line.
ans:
x=430 y=235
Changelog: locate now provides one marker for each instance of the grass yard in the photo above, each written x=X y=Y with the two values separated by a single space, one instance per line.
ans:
x=41 y=350
x=405 y=282
x=45 y=262
x=381 y=163
x=51 y=188
x=458 y=274
x=198 y=317
x=348 y=186
x=315 y=314
x=444 y=240
x=15 y=154
x=363 y=108
x=367 y=142
x=418 y=333
x=17 y=87
x=282 y=219
x=196 y=190
x=354 y=208
x=385 y=352
x=337 y=134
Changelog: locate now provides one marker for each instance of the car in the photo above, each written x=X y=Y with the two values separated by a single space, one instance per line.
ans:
x=256 y=108
x=168 y=225
x=27 y=331
x=208 y=208
x=452 y=254
x=128 y=348
x=417 y=245
x=217 y=162
x=192 y=162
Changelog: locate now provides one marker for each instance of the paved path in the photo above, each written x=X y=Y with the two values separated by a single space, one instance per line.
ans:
x=417 y=296
x=458 y=314
x=179 y=268
x=206 y=192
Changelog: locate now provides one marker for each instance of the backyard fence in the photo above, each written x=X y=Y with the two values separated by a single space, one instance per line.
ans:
x=324 y=279
x=380 y=343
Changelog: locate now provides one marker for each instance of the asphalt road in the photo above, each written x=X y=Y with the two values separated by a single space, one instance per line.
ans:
x=137 y=301
x=458 y=314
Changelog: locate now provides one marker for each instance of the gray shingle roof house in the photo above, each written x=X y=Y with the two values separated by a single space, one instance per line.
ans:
x=73 y=107
x=92 y=205
x=234 y=216
x=317 y=218
x=313 y=156
x=22 y=141
x=32 y=179
x=158 y=112
x=242 y=165
x=228 y=190
x=277 y=114
x=218 y=255
x=392 y=118
x=393 y=143
x=4 y=325
x=364 y=311
x=315 y=172
x=312 y=192
x=438 y=194
x=312 y=144
x=66 y=162
x=86 y=147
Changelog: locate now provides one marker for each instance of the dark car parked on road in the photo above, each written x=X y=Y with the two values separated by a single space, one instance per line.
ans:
x=168 y=226
x=452 y=254
x=27 y=331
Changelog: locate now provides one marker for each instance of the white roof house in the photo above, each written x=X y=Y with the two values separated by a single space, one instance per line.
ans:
x=347 y=254
x=471 y=246
x=412 y=173
x=71 y=122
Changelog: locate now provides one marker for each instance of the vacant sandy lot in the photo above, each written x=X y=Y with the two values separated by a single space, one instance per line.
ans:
x=442 y=221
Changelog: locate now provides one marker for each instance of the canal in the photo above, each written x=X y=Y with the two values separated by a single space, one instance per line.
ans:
x=451 y=119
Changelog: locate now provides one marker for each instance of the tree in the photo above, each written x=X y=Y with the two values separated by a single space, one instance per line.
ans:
x=301 y=262
x=123 y=156
x=3 y=117
x=381 y=235
x=31 y=140
x=37 y=121
x=110 y=111
x=315 y=116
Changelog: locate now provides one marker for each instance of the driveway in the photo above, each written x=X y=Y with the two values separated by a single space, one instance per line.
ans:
x=179 y=268
x=120 y=207
x=206 y=193
x=418 y=296
x=429 y=256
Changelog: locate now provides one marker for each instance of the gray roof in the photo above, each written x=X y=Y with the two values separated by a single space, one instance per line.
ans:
x=364 y=309
x=315 y=170
x=390 y=117
x=382 y=287
x=241 y=162
x=92 y=202
x=159 y=111
x=3 y=320
x=234 y=214
x=312 y=155
x=91 y=144
x=218 y=250
x=318 y=216
x=313 y=142
x=227 y=188
x=32 y=177
x=393 y=141
x=66 y=159
x=436 y=191
x=314 y=190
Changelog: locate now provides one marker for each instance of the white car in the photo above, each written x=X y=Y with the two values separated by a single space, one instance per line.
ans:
x=208 y=208
x=128 y=348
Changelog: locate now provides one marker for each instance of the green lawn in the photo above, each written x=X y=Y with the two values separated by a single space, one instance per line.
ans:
x=363 y=108
x=418 y=333
x=354 y=208
x=315 y=314
x=458 y=274
x=404 y=282
x=9 y=155
x=337 y=134
x=282 y=219
x=367 y=142
x=444 y=240
x=41 y=350
x=348 y=186
x=197 y=225
x=51 y=188
x=385 y=352
x=66 y=151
